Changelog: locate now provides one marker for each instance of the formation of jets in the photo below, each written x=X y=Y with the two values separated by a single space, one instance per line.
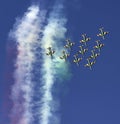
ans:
x=89 y=64
x=102 y=33
x=69 y=44
x=85 y=39
x=76 y=59
x=99 y=45
x=94 y=55
x=64 y=56
x=50 y=52
x=82 y=51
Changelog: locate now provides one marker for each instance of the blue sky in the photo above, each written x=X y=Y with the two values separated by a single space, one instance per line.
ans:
x=88 y=97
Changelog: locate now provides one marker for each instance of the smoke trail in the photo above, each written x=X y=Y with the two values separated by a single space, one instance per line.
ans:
x=26 y=33
x=53 y=34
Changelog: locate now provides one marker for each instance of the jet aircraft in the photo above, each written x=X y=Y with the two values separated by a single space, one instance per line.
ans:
x=99 y=45
x=102 y=33
x=50 y=52
x=69 y=44
x=82 y=50
x=89 y=64
x=65 y=55
x=77 y=60
x=85 y=39
x=94 y=55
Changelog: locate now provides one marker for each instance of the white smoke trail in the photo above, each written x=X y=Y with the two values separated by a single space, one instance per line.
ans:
x=26 y=33
x=53 y=34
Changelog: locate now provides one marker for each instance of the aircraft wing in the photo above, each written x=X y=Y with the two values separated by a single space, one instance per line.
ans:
x=53 y=52
x=82 y=41
x=87 y=65
x=92 y=63
x=74 y=61
x=101 y=45
x=87 y=39
x=47 y=53
x=105 y=33
x=96 y=47
x=79 y=59
x=61 y=57
x=99 y=35
x=66 y=46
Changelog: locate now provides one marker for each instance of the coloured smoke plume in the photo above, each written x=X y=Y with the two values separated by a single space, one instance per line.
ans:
x=53 y=36
x=26 y=34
